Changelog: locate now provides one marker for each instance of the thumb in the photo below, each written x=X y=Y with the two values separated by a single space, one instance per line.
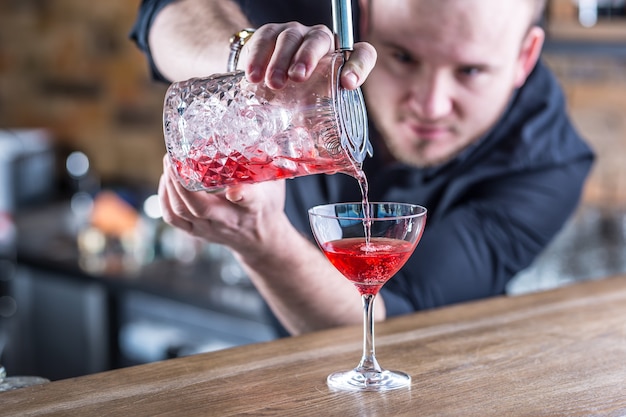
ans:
x=359 y=65
x=236 y=194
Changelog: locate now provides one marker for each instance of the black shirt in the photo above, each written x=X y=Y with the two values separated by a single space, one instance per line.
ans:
x=491 y=210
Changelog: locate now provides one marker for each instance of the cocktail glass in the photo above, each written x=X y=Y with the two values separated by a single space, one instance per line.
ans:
x=368 y=248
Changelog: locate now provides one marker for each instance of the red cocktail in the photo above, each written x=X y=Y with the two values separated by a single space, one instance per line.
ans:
x=210 y=171
x=368 y=265
x=368 y=243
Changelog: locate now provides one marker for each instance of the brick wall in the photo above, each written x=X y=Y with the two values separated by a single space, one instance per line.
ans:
x=595 y=88
x=69 y=66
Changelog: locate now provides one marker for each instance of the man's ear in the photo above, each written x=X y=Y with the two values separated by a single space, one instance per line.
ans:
x=529 y=54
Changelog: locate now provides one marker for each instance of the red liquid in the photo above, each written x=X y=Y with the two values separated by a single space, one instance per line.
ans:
x=368 y=266
x=224 y=170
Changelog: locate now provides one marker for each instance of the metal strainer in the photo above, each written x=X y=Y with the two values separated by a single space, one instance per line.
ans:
x=350 y=104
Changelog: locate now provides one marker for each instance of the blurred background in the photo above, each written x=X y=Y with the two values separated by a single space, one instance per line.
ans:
x=90 y=277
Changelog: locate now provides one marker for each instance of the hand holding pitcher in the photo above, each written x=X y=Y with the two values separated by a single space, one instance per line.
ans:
x=225 y=130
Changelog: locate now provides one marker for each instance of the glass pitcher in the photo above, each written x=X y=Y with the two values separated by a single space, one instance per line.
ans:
x=222 y=130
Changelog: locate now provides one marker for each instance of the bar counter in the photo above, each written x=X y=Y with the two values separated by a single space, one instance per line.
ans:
x=555 y=353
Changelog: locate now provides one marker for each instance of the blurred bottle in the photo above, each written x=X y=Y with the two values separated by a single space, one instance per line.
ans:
x=591 y=11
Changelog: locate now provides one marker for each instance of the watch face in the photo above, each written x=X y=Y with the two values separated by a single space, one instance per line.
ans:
x=241 y=37
x=237 y=41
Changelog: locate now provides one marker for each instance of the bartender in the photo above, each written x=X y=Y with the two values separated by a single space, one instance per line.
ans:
x=465 y=119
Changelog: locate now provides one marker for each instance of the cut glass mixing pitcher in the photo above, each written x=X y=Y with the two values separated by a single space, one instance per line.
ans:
x=222 y=130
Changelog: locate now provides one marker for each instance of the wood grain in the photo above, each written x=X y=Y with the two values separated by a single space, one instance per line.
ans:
x=554 y=353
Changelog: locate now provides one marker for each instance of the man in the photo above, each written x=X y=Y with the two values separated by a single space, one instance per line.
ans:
x=466 y=121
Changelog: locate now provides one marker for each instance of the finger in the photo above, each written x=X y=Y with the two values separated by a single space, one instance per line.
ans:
x=190 y=205
x=197 y=206
x=316 y=43
x=263 y=61
x=244 y=196
x=177 y=204
x=358 y=66
x=248 y=197
x=236 y=194
x=258 y=51
x=166 y=211
x=287 y=44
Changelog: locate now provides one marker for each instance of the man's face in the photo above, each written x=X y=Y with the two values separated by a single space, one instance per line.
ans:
x=445 y=72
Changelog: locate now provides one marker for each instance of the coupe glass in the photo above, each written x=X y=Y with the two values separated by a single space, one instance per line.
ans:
x=368 y=248
x=8 y=383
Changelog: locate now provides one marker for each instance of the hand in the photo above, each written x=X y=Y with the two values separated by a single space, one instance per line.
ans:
x=244 y=217
x=283 y=265
x=281 y=51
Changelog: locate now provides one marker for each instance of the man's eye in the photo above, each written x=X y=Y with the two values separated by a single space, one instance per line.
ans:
x=470 y=71
x=403 y=57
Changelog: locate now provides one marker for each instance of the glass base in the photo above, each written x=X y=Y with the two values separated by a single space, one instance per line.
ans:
x=360 y=380
x=15 y=382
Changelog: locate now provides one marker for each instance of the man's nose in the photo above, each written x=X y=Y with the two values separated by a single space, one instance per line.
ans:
x=431 y=97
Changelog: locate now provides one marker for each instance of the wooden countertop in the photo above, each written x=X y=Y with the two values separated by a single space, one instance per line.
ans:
x=555 y=353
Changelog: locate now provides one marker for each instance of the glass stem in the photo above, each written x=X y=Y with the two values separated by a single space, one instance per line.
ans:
x=368 y=361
